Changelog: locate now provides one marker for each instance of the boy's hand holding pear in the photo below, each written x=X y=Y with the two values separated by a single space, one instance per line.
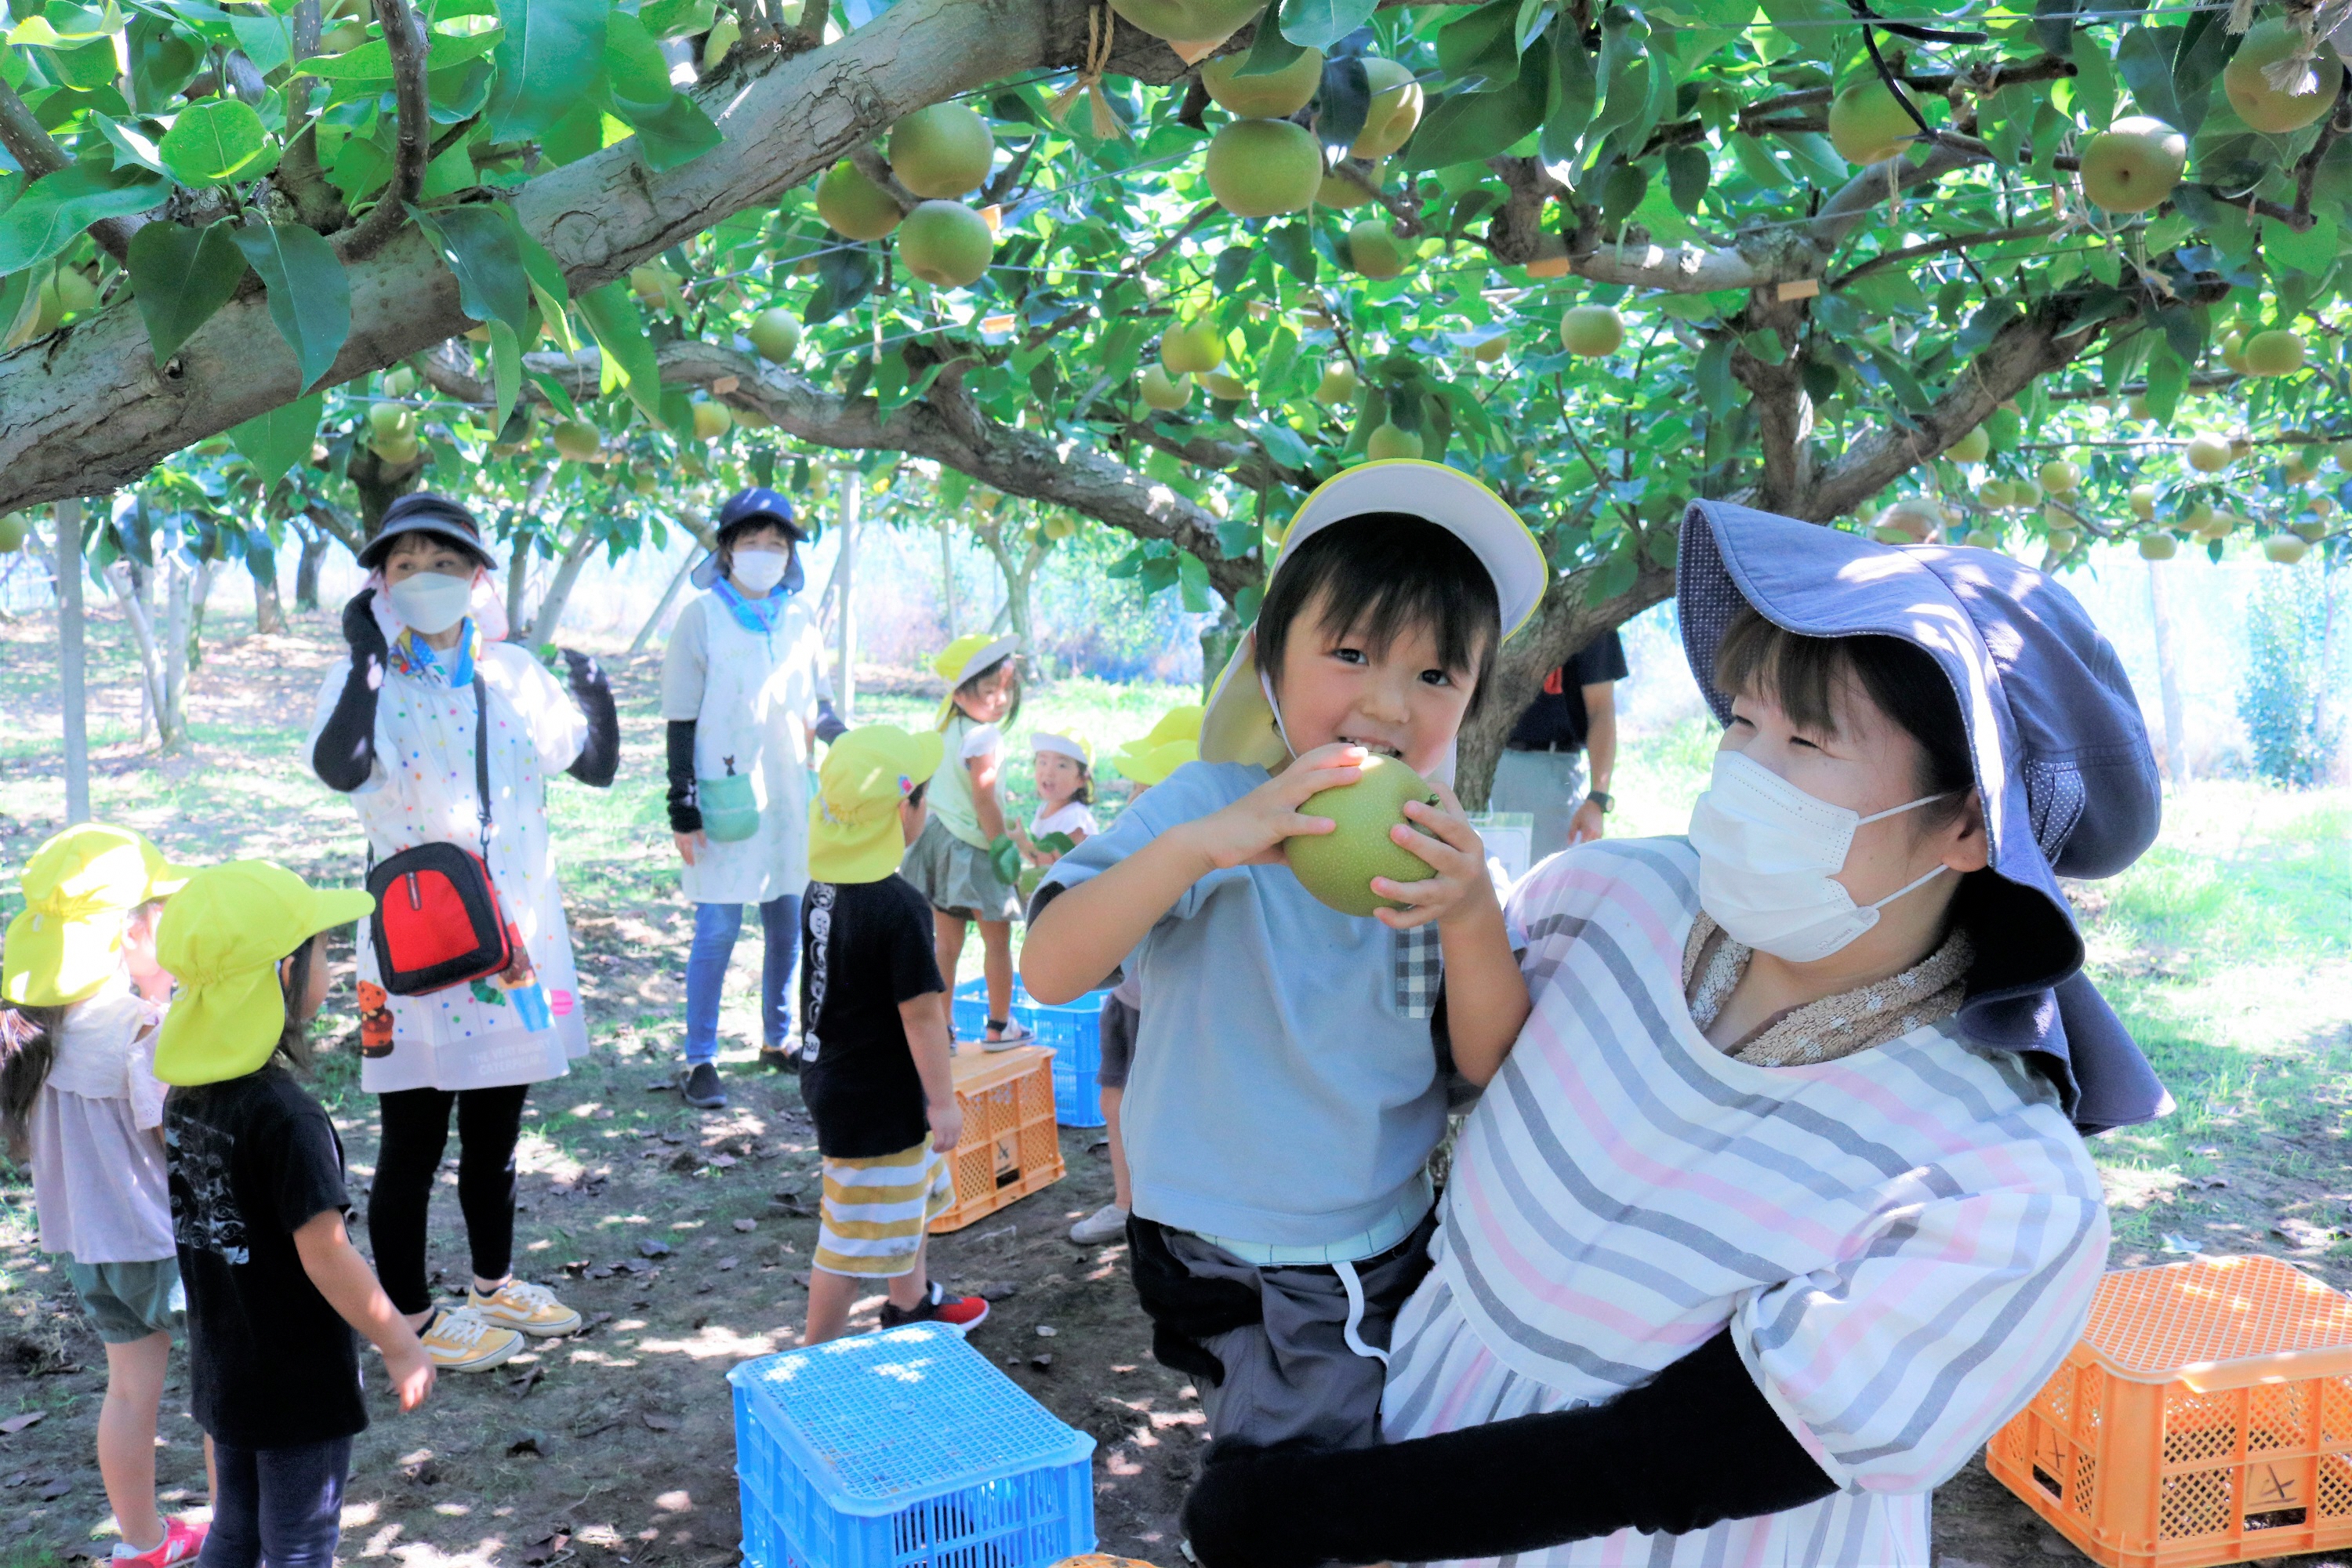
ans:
x=1250 y=831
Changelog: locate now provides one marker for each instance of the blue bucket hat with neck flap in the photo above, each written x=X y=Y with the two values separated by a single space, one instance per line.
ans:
x=2056 y=740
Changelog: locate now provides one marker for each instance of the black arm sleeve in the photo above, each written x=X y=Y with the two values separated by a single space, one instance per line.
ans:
x=685 y=815
x=829 y=727
x=345 y=752
x=600 y=754
x=1696 y=1445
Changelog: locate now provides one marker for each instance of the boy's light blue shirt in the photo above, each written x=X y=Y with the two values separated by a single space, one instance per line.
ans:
x=1279 y=1098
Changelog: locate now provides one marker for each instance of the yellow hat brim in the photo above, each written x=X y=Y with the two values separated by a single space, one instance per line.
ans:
x=226 y=1027
x=1149 y=764
x=55 y=961
x=1239 y=724
x=854 y=853
x=222 y=1030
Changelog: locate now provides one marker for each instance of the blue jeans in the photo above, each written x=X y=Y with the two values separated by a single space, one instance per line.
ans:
x=716 y=927
x=282 y=1505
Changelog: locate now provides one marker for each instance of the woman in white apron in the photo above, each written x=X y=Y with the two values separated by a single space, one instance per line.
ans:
x=396 y=729
x=744 y=692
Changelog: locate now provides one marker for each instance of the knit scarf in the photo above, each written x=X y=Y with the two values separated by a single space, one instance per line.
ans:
x=1835 y=1027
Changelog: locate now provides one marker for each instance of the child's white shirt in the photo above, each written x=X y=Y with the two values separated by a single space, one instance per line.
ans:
x=99 y=1178
x=1073 y=818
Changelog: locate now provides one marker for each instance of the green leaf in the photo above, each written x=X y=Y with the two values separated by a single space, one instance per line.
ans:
x=506 y=368
x=1319 y=24
x=665 y=18
x=130 y=144
x=274 y=442
x=212 y=141
x=310 y=296
x=550 y=56
x=1467 y=127
x=1192 y=583
x=1269 y=50
x=2095 y=82
x=637 y=77
x=1573 y=69
x=481 y=248
x=1481 y=50
x=1687 y=173
x=161 y=63
x=1756 y=160
x=2168 y=378
x=1283 y=444
x=371 y=61
x=611 y=315
x=676 y=133
x=179 y=278
x=265 y=38
x=1624 y=68
x=55 y=208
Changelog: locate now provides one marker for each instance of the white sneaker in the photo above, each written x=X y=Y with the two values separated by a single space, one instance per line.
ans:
x=458 y=1340
x=533 y=1309
x=1107 y=1223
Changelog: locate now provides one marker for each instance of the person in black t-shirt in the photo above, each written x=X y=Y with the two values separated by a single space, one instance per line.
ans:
x=274 y=1287
x=875 y=1055
x=1542 y=768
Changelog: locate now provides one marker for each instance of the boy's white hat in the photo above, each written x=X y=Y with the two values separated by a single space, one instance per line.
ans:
x=1074 y=747
x=1239 y=726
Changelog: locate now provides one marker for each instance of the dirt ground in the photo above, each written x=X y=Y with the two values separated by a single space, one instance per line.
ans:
x=685 y=1238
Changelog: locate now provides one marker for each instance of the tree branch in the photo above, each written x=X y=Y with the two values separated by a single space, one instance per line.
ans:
x=38 y=155
x=944 y=424
x=404 y=35
x=1843 y=213
x=870 y=163
x=1938 y=246
x=92 y=411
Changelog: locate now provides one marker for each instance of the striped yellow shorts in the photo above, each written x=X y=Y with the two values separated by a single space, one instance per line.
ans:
x=871 y=1222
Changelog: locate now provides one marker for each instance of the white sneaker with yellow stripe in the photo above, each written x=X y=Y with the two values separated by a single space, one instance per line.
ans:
x=460 y=1340
x=533 y=1309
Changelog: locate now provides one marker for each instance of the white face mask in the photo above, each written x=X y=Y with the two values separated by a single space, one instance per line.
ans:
x=431 y=601
x=1767 y=855
x=758 y=571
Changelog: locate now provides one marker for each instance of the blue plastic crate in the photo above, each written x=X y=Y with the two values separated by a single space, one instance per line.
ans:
x=904 y=1450
x=1072 y=1031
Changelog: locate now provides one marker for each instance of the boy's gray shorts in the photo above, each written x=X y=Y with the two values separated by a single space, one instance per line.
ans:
x=1293 y=1375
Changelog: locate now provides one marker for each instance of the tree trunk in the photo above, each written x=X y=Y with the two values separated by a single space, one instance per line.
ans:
x=269 y=613
x=200 y=593
x=947 y=577
x=306 y=570
x=1566 y=622
x=379 y=485
x=645 y=633
x=844 y=634
x=73 y=688
x=2167 y=679
x=90 y=411
x=550 y=614
x=170 y=717
x=124 y=579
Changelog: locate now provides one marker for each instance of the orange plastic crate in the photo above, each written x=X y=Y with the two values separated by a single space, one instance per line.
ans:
x=2204 y=1416
x=1011 y=1145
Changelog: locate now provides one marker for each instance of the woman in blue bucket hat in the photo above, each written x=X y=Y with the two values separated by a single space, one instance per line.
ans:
x=1780 y=1206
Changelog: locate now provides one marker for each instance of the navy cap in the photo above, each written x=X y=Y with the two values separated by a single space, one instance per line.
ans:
x=423 y=512
x=747 y=510
x=2060 y=752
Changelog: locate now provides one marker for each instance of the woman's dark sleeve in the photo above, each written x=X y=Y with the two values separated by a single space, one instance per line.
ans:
x=344 y=754
x=684 y=813
x=1696 y=1445
x=600 y=754
x=829 y=727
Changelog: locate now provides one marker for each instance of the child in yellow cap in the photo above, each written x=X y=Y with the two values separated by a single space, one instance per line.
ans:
x=81 y=1103
x=274 y=1287
x=1143 y=761
x=953 y=862
x=875 y=1052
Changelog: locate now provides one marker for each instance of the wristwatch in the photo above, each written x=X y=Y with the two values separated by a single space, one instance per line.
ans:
x=1601 y=799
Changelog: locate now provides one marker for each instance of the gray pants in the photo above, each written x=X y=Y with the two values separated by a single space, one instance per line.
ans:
x=1550 y=785
x=1294 y=1375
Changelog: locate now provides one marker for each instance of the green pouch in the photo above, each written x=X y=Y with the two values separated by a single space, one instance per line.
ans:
x=730 y=813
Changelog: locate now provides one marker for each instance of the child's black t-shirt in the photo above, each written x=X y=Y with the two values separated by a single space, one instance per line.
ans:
x=866 y=947
x=271 y=1364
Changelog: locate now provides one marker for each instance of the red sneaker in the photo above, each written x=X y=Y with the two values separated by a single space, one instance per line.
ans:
x=181 y=1542
x=961 y=1313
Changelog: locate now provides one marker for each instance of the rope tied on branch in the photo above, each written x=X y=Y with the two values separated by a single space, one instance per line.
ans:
x=1107 y=124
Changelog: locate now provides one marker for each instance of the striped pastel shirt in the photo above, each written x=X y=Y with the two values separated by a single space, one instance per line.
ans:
x=1903 y=1242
